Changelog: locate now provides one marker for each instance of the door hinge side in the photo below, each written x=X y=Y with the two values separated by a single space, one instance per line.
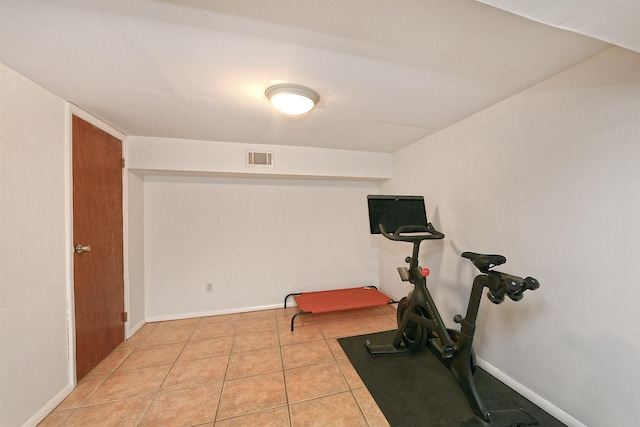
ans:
x=125 y=317
x=123 y=163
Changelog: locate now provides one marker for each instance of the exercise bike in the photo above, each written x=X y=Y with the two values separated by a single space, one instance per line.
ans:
x=419 y=322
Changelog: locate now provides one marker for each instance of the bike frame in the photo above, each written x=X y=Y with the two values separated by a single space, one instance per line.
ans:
x=456 y=354
x=420 y=323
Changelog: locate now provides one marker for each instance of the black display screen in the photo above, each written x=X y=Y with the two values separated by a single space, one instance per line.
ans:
x=396 y=211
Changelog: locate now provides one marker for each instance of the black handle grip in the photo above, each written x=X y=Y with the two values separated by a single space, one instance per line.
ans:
x=527 y=284
x=496 y=296
x=531 y=283
x=511 y=286
x=421 y=233
x=504 y=286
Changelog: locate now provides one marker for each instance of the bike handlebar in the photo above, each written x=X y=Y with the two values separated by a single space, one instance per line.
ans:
x=421 y=233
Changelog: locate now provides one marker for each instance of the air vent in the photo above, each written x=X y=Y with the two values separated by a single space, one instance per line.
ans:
x=257 y=158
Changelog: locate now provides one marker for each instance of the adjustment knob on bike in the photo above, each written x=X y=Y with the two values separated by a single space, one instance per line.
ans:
x=425 y=272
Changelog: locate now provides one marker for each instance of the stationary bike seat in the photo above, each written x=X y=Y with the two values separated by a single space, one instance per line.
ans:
x=484 y=262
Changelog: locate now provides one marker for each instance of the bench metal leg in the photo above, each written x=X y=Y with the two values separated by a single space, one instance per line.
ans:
x=296 y=315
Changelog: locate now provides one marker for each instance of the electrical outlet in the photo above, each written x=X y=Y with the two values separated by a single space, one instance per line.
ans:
x=209 y=287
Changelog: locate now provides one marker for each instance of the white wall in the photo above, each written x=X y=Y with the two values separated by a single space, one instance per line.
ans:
x=550 y=178
x=34 y=365
x=214 y=158
x=256 y=240
x=256 y=233
x=135 y=251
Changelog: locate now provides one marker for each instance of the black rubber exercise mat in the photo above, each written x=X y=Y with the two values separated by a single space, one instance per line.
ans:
x=417 y=390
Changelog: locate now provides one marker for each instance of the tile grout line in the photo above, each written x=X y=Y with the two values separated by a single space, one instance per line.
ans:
x=166 y=376
x=281 y=323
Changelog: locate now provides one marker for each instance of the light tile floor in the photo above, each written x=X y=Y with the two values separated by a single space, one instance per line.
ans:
x=244 y=369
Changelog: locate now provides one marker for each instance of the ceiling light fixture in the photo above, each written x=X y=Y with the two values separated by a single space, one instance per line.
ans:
x=292 y=99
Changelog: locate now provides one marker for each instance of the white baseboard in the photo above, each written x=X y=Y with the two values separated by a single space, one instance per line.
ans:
x=210 y=313
x=48 y=407
x=534 y=398
x=60 y=396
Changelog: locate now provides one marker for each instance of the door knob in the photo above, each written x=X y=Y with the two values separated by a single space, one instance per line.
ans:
x=82 y=248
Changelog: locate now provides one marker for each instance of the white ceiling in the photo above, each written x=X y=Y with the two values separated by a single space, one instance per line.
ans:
x=388 y=72
x=614 y=21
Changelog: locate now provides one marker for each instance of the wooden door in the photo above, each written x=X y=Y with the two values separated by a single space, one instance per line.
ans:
x=97 y=223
